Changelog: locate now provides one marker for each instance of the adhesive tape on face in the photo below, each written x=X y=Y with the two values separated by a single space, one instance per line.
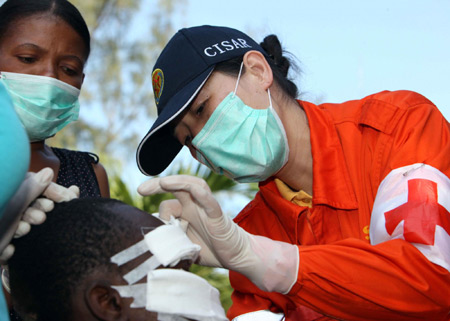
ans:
x=130 y=253
x=139 y=272
x=173 y=293
x=136 y=291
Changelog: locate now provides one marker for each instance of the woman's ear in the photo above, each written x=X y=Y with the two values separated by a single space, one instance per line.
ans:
x=256 y=64
x=104 y=302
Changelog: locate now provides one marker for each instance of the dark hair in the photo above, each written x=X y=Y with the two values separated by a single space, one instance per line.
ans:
x=77 y=237
x=12 y=10
x=278 y=63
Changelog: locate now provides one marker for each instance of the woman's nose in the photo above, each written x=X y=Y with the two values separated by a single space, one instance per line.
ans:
x=49 y=70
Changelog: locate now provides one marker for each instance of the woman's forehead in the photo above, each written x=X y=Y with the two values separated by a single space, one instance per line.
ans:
x=219 y=79
x=52 y=30
x=24 y=24
x=217 y=83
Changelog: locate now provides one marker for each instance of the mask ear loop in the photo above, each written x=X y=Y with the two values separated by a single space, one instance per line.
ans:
x=237 y=83
x=270 y=98
x=239 y=77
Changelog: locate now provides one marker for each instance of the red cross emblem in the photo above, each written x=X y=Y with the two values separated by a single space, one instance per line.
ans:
x=420 y=214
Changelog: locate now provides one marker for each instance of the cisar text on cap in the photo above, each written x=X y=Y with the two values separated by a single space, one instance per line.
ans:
x=225 y=46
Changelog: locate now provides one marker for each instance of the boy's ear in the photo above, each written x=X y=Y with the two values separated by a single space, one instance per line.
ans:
x=104 y=302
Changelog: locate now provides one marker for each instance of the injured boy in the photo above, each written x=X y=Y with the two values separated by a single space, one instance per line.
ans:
x=100 y=259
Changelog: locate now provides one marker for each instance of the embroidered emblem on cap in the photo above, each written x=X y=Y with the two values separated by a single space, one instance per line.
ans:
x=157 y=83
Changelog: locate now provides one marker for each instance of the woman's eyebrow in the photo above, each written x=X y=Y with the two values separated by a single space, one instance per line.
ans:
x=30 y=46
x=81 y=61
x=200 y=102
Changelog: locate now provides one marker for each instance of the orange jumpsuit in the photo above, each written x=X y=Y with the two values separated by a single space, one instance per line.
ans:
x=355 y=145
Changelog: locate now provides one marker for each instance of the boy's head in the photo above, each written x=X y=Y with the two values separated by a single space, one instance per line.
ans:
x=62 y=270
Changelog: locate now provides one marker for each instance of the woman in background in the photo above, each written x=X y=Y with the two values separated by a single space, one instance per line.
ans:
x=44 y=46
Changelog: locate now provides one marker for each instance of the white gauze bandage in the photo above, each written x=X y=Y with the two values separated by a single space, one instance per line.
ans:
x=174 y=294
x=168 y=243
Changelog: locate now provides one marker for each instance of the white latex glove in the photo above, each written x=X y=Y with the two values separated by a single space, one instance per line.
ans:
x=24 y=209
x=269 y=264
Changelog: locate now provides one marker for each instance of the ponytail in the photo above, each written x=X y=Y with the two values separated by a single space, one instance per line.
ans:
x=280 y=65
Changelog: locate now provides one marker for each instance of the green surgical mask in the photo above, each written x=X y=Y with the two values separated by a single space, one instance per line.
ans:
x=242 y=143
x=44 y=105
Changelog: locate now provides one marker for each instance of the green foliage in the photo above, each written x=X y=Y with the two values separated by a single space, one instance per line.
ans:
x=149 y=204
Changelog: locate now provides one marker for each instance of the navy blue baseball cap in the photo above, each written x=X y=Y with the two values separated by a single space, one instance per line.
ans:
x=181 y=70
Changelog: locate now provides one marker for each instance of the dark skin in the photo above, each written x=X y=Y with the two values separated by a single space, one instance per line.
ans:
x=56 y=51
x=95 y=299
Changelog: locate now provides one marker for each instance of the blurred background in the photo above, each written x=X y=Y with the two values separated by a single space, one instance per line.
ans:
x=344 y=49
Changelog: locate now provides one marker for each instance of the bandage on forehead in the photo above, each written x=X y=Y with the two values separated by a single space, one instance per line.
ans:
x=174 y=294
x=168 y=243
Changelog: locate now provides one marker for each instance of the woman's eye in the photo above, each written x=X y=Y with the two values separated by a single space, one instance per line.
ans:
x=69 y=71
x=27 y=59
x=187 y=140
x=199 y=109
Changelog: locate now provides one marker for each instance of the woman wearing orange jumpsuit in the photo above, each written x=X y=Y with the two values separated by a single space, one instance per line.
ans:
x=351 y=221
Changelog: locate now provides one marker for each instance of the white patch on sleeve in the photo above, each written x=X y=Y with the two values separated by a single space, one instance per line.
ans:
x=261 y=315
x=413 y=204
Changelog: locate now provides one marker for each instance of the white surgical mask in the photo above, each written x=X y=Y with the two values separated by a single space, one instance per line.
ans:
x=242 y=143
x=44 y=105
